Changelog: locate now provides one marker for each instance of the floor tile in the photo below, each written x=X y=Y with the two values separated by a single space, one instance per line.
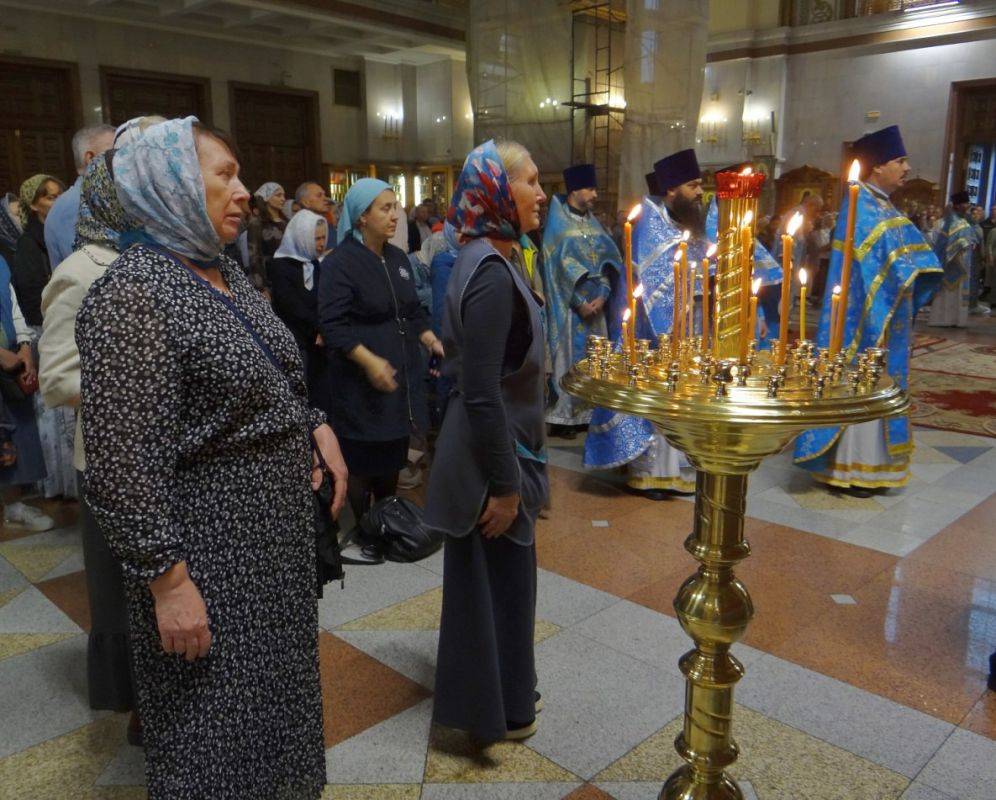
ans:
x=649 y=790
x=865 y=724
x=598 y=702
x=921 y=791
x=10 y=576
x=982 y=718
x=382 y=791
x=498 y=791
x=392 y=752
x=358 y=691
x=32 y=612
x=74 y=759
x=13 y=644
x=74 y=563
x=127 y=768
x=780 y=762
x=453 y=758
x=565 y=602
x=963 y=454
x=69 y=593
x=648 y=635
x=965 y=767
x=371 y=588
x=420 y=613
x=50 y=698
x=412 y=653
x=965 y=545
x=920 y=635
x=588 y=792
x=37 y=555
x=844 y=599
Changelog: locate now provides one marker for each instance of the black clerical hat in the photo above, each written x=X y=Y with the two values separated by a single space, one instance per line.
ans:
x=959 y=197
x=652 y=188
x=880 y=147
x=676 y=169
x=580 y=176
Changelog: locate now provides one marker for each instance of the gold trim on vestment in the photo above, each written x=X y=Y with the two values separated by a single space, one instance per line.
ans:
x=674 y=484
x=877 y=484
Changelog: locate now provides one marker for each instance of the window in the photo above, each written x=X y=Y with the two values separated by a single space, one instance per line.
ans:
x=347 y=88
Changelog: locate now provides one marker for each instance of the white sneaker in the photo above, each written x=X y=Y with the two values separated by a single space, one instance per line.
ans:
x=981 y=309
x=21 y=515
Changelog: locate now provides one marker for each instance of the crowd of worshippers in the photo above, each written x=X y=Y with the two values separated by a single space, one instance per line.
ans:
x=210 y=361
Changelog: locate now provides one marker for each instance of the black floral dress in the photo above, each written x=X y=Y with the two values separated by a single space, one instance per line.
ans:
x=196 y=426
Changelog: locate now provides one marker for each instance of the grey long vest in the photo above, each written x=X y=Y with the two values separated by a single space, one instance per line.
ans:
x=458 y=483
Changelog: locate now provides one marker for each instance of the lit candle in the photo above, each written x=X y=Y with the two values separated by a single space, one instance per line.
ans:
x=802 y=303
x=628 y=247
x=785 y=307
x=687 y=292
x=637 y=294
x=746 y=245
x=678 y=303
x=834 y=311
x=837 y=332
x=627 y=339
x=754 y=289
x=705 y=295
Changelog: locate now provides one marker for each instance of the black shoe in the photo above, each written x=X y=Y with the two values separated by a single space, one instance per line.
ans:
x=538 y=703
x=514 y=731
x=562 y=432
x=858 y=491
x=657 y=495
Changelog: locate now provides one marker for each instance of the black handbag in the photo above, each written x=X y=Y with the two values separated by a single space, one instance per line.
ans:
x=327 y=544
x=394 y=527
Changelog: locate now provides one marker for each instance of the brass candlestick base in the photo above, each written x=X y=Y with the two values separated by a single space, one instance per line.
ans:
x=726 y=417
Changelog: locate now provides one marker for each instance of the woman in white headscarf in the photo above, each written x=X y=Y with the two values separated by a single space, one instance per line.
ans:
x=265 y=231
x=293 y=276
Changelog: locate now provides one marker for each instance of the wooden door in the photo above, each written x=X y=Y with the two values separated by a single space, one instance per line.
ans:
x=39 y=112
x=277 y=134
x=135 y=93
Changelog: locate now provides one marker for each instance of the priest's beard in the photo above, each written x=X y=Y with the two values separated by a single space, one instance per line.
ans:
x=689 y=214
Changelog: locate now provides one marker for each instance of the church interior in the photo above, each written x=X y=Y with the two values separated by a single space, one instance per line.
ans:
x=869 y=661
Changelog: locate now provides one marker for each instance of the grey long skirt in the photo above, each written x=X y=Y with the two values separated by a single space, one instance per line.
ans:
x=486 y=667
x=108 y=656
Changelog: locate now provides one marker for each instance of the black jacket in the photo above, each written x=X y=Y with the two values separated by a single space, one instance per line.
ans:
x=363 y=299
x=30 y=271
x=295 y=305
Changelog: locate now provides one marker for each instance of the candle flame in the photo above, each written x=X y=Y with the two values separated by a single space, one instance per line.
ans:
x=634 y=212
x=638 y=292
x=748 y=217
x=747 y=171
x=802 y=276
x=836 y=291
x=626 y=315
x=686 y=236
x=755 y=286
x=855 y=171
x=794 y=224
x=711 y=251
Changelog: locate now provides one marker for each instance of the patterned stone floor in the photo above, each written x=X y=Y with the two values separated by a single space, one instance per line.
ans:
x=866 y=661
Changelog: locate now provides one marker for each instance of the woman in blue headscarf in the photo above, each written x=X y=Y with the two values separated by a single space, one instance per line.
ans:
x=202 y=452
x=374 y=330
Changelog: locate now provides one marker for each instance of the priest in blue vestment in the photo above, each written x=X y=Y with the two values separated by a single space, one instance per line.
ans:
x=894 y=273
x=584 y=293
x=953 y=246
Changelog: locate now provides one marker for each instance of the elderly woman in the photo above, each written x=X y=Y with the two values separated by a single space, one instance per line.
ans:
x=294 y=291
x=488 y=481
x=99 y=226
x=202 y=453
x=373 y=323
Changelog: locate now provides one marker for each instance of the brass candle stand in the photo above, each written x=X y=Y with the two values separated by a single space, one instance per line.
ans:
x=726 y=415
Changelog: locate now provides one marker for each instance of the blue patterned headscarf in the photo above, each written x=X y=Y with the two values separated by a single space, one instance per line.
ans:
x=101 y=220
x=358 y=199
x=159 y=183
x=482 y=202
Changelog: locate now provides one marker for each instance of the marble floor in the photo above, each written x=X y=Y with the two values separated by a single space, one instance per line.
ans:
x=866 y=661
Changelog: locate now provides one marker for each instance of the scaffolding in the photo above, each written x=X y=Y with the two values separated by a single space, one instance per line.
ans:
x=597 y=90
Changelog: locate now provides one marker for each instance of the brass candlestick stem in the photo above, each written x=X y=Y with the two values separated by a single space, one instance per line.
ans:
x=726 y=416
